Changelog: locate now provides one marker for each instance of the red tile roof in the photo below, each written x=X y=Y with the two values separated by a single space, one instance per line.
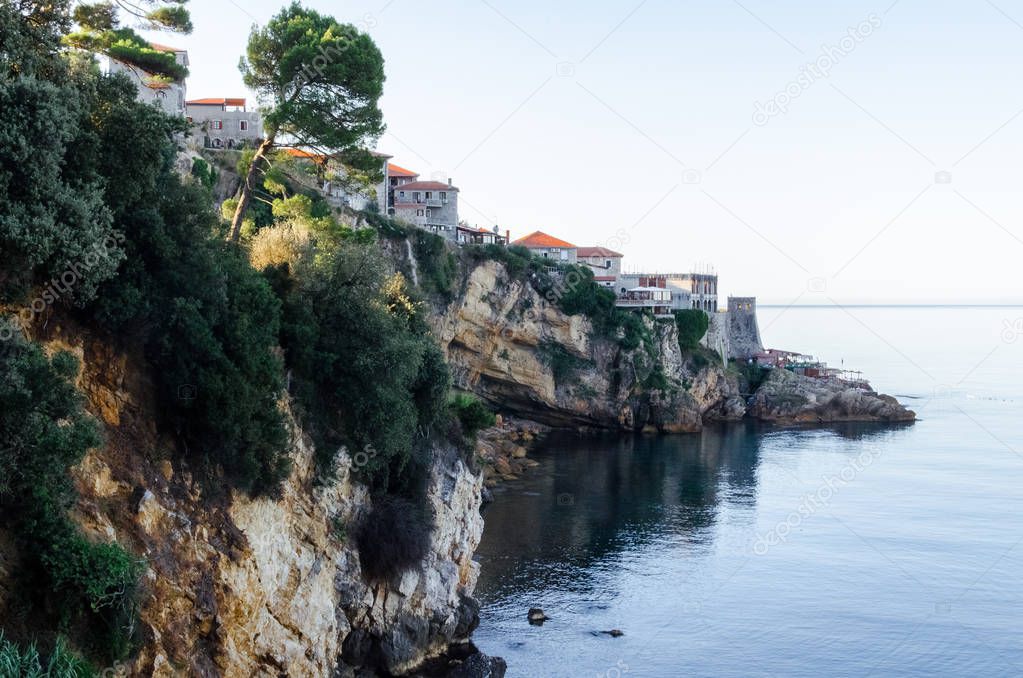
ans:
x=302 y=153
x=604 y=278
x=164 y=48
x=216 y=102
x=396 y=171
x=598 y=252
x=539 y=239
x=426 y=186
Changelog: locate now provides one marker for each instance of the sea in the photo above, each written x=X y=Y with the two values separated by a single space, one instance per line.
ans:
x=752 y=550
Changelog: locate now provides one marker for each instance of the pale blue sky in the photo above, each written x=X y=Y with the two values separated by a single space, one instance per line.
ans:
x=646 y=130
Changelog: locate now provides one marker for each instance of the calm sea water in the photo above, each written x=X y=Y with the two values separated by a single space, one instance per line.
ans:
x=750 y=551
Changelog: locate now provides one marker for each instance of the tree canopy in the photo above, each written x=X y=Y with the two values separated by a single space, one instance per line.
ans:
x=319 y=82
x=100 y=30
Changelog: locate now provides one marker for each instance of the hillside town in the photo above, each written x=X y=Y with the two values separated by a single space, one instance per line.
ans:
x=229 y=123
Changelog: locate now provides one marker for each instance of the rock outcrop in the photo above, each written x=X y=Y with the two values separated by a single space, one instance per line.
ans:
x=787 y=398
x=504 y=342
x=235 y=586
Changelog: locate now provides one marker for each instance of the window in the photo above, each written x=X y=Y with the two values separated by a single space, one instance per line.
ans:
x=243 y=125
x=401 y=194
x=415 y=196
x=419 y=213
x=429 y=195
x=607 y=264
x=217 y=124
x=444 y=196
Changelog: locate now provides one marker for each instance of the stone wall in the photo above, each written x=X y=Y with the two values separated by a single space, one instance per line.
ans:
x=735 y=333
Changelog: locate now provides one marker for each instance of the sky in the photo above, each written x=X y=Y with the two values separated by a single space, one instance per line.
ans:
x=809 y=152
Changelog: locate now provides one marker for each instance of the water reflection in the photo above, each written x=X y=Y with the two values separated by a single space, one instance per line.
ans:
x=595 y=497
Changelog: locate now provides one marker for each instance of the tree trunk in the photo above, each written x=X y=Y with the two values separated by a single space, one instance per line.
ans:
x=250 y=177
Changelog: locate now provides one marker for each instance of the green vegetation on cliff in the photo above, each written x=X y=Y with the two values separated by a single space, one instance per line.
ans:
x=45 y=430
x=96 y=224
x=692 y=326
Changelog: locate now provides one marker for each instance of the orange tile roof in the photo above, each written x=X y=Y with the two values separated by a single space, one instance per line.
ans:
x=396 y=171
x=164 y=48
x=538 y=239
x=302 y=153
x=598 y=252
x=216 y=102
x=426 y=186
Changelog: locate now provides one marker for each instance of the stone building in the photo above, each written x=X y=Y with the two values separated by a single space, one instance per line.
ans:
x=394 y=177
x=734 y=333
x=430 y=205
x=549 y=247
x=169 y=96
x=605 y=263
x=223 y=122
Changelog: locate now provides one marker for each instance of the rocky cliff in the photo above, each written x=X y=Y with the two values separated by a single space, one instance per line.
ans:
x=511 y=346
x=787 y=398
x=235 y=586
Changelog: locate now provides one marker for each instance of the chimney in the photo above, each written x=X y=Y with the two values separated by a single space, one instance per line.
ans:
x=507 y=236
x=449 y=182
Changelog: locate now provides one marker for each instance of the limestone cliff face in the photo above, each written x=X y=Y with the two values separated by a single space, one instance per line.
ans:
x=240 y=587
x=503 y=339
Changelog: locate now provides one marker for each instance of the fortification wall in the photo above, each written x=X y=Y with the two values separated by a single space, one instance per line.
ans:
x=735 y=333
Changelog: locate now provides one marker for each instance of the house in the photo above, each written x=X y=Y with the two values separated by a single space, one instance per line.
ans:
x=430 y=205
x=470 y=235
x=689 y=290
x=223 y=122
x=394 y=177
x=606 y=264
x=331 y=180
x=169 y=96
x=549 y=247
x=655 y=299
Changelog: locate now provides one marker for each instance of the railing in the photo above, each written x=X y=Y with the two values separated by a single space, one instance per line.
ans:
x=434 y=202
x=642 y=302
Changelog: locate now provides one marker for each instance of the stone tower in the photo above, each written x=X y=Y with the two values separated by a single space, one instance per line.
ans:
x=743 y=331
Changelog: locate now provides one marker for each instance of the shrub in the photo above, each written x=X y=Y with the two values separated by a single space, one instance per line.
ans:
x=286 y=243
x=473 y=415
x=692 y=326
x=393 y=538
x=16 y=662
x=437 y=265
x=204 y=173
x=559 y=359
x=367 y=373
x=46 y=431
